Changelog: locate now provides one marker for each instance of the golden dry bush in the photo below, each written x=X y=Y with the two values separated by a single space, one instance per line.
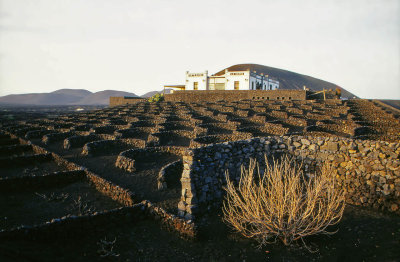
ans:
x=283 y=203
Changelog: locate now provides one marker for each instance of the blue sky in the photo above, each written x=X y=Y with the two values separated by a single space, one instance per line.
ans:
x=138 y=46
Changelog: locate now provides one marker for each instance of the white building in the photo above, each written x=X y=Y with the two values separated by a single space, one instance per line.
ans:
x=230 y=80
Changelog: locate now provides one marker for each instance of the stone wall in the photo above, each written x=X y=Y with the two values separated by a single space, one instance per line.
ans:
x=101 y=146
x=78 y=141
x=114 y=100
x=126 y=159
x=117 y=193
x=234 y=95
x=369 y=171
x=155 y=139
x=212 y=139
x=71 y=227
x=135 y=132
x=54 y=137
x=37 y=133
x=168 y=174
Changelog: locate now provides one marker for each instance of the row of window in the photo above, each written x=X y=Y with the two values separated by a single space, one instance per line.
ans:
x=236 y=85
x=258 y=86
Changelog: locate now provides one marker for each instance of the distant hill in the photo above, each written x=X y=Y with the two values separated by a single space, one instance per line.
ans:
x=73 y=92
x=288 y=79
x=152 y=93
x=103 y=97
x=393 y=103
x=64 y=97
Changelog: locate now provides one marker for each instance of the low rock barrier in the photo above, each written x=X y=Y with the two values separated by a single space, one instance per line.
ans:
x=72 y=227
x=169 y=174
x=99 y=146
x=78 y=141
x=54 y=137
x=117 y=193
x=368 y=171
x=126 y=159
x=213 y=139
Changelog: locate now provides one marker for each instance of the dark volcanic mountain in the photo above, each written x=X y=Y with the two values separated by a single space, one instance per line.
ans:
x=288 y=79
x=64 y=97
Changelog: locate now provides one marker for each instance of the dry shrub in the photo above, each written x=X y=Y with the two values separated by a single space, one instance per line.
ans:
x=283 y=203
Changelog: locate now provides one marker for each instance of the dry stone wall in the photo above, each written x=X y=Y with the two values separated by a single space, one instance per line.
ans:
x=99 y=146
x=168 y=174
x=126 y=159
x=369 y=171
x=114 y=100
x=235 y=95
x=73 y=226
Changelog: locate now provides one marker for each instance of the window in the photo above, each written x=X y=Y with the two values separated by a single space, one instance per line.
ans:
x=277 y=97
x=236 y=85
x=195 y=85
x=290 y=98
x=252 y=85
x=267 y=97
x=283 y=98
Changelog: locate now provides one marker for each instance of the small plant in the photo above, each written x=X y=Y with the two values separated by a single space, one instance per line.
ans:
x=158 y=97
x=53 y=196
x=106 y=248
x=283 y=203
x=81 y=207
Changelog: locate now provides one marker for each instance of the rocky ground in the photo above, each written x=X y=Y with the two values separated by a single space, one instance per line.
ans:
x=363 y=234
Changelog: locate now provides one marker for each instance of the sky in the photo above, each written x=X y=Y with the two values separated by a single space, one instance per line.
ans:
x=138 y=46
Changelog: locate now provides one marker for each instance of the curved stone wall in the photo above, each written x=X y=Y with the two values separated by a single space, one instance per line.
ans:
x=169 y=174
x=126 y=159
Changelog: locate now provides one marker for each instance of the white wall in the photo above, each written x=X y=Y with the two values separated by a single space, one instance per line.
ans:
x=241 y=76
x=270 y=84
x=273 y=84
x=200 y=78
x=255 y=80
